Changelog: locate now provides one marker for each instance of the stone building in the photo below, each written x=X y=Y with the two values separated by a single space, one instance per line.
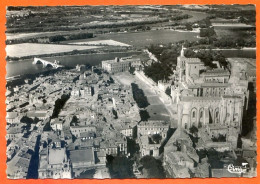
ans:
x=147 y=147
x=78 y=130
x=164 y=85
x=152 y=127
x=151 y=134
x=13 y=117
x=116 y=65
x=82 y=159
x=54 y=163
x=114 y=143
x=205 y=97
x=56 y=124
x=82 y=92
x=18 y=167
x=179 y=155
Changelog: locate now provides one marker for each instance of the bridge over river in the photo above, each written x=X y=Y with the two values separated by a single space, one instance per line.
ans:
x=47 y=63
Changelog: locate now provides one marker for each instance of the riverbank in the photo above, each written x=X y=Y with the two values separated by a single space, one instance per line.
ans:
x=195 y=30
x=72 y=53
x=223 y=49
x=36 y=49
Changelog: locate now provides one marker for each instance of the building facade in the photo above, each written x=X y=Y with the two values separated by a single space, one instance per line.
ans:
x=116 y=65
x=54 y=163
x=209 y=97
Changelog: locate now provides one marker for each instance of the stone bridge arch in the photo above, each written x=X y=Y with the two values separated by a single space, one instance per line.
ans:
x=37 y=61
x=48 y=65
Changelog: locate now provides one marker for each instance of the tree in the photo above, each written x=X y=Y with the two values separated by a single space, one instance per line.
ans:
x=193 y=130
x=189 y=53
x=207 y=32
x=206 y=57
x=144 y=115
x=119 y=167
x=74 y=121
x=221 y=59
x=240 y=42
x=153 y=167
x=158 y=71
x=188 y=26
x=132 y=70
x=27 y=120
x=57 y=38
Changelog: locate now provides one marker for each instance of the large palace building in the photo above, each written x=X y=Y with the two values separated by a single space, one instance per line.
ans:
x=116 y=65
x=214 y=98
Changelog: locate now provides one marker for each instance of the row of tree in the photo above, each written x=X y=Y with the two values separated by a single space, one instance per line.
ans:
x=78 y=36
x=180 y=17
x=229 y=42
x=46 y=28
x=55 y=38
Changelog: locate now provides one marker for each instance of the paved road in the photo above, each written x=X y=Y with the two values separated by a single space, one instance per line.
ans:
x=157 y=110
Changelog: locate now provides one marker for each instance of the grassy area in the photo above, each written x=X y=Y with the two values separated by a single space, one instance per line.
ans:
x=99 y=42
x=144 y=38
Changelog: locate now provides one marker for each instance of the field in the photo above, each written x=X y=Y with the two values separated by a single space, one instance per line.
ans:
x=101 y=42
x=232 y=25
x=235 y=33
x=31 y=49
x=145 y=38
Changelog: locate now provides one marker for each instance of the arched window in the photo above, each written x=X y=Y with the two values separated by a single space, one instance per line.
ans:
x=193 y=113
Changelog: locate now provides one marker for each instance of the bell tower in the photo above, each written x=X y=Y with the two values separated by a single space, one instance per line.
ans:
x=182 y=51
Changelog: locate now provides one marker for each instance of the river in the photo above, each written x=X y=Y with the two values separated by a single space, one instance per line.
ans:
x=26 y=66
x=196 y=16
x=138 y=39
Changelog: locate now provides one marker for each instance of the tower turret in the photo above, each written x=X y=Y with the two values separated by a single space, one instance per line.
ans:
x=182 y=51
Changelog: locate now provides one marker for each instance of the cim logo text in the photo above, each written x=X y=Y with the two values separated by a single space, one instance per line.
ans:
x=237 y=169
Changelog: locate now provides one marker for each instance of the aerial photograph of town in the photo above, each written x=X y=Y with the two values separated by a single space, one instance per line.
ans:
x=147 y=91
